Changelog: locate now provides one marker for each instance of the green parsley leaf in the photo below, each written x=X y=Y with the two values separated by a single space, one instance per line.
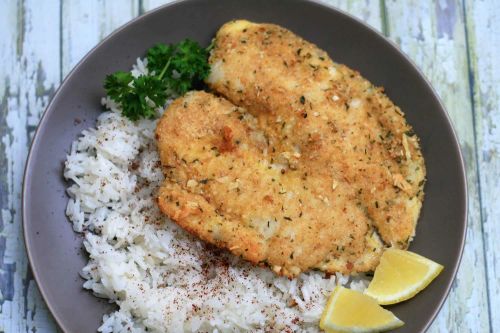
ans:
x=117 y=84
x=173 y=70
x=181 y=66
x=158 y=57
x=137 y=97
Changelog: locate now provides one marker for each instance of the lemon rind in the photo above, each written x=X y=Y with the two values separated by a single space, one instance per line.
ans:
x=330 y=327
x=412 y=290
x=340 y=329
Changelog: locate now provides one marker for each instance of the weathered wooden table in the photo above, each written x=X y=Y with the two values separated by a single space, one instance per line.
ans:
x=455 y=42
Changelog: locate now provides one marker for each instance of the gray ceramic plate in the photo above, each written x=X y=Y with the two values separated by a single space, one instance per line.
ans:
x=55 y=252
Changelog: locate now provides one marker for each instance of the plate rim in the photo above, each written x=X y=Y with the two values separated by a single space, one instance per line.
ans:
x=43 y=121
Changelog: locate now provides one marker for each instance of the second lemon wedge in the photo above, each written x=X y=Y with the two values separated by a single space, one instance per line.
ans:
x=400 y=276
x=352 y=311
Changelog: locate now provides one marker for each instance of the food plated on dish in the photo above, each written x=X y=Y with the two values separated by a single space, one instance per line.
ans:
x=326 y=168
x=291 y=174
x=55 y=250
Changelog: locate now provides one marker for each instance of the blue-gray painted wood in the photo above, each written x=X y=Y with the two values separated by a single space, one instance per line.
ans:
x=456 y=43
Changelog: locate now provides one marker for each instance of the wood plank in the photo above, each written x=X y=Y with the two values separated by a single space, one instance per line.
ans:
x=147 y=5
x=86 y=23
x=483 y=30
x=433 y=33
x=367 y=11
x=28 y=41
x=29 y=54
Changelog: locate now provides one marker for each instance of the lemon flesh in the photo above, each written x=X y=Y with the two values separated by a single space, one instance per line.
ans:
x=352 y=311
x=400 y=276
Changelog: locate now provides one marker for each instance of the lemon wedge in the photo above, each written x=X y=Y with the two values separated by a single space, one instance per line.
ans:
x=351 y=311
x=400 y=276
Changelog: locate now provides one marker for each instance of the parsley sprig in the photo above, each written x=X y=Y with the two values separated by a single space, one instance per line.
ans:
x=173 y=70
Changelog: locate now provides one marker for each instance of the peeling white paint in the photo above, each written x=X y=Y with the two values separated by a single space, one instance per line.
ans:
x=414 y=25
x=86 y=23
x=484 y=36
x=30 y=53
x=28 y=76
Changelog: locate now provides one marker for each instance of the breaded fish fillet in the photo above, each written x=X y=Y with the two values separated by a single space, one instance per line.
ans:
x=224 y=185
x=324 y=120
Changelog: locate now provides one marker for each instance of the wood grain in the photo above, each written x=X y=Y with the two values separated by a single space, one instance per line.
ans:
x=29 y=75
x=86 y=22
x=483 y=31
x=433 y=35
x=368 y=11
x=41 y=41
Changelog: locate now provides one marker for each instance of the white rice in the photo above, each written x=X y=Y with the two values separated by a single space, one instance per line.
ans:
x=161 y=278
